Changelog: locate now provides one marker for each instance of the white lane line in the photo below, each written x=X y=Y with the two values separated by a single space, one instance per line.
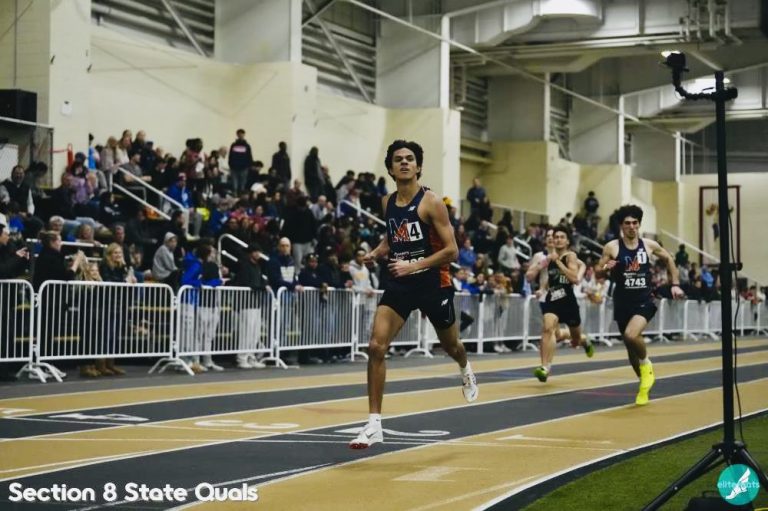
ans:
x=437 y=374
x=216 y=485
x=476 y=403
x=549 y=477
x=65 y=421
x=441 y=444
x=59 y=463
x=443 y=503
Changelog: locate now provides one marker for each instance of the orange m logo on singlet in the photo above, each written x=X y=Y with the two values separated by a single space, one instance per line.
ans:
x=405 y=231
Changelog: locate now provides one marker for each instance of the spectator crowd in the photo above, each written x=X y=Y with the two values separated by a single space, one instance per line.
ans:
x=300 y=228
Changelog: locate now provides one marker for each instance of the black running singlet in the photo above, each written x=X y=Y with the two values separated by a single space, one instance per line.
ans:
x=559 y=285
x=411 y=239
x=632 y=274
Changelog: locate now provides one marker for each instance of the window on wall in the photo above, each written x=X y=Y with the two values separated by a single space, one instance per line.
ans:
x=174 y=22
x=341 y=44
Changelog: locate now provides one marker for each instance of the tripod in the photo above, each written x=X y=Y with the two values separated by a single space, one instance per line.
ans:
x=728 y=451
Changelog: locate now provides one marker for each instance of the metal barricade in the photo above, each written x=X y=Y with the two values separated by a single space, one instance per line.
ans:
x=533 y=322
x=503 y=318
x=610 y=328
x=223 y=320
x=592 y=321
x=90 y=320
x=695 y=319
x=714 y=317
x=313 y=319
x=17 y=316
x=673 y=318
x=748 y=313
x=762 y=318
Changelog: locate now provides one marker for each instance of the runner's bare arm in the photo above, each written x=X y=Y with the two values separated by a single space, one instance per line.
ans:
x=436 y=215
x=534 y=267
x=608 y=259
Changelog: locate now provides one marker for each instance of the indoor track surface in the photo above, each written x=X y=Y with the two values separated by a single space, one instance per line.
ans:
x=284 y=434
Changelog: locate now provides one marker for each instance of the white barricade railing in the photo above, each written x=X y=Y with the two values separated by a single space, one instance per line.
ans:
x=715 y=317
x=592 y=320
x=672 y=319
x=17 y=325
x=695 y=319
x=748 y=316
x=86 y=320
x=505 y=318
x=314 y=319
x=223 y=320
x=762 y=317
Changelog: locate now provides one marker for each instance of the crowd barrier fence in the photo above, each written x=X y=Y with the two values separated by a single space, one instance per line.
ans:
x=79 y=320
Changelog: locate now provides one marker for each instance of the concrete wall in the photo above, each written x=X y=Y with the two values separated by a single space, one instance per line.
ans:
x=407 y=67
x=263 y=31
x=515 y=109
x=754 y=246
x=654 y=155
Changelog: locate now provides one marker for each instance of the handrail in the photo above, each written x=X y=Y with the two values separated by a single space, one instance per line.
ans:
x=360 y=210
x=524 y=244
x=140 y=200
x=701 y=252
x=590 y=241
x=238 y=241
x=70 y=243
x=510 y=208
x=143 y=183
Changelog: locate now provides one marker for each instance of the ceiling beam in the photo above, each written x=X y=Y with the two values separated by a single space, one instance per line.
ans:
x=183 y=26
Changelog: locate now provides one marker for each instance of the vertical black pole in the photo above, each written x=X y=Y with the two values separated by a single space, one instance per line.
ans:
x=725 y=267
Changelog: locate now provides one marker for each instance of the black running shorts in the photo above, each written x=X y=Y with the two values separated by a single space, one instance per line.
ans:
x=437 y=305
x=566 y=310
x=623 y=312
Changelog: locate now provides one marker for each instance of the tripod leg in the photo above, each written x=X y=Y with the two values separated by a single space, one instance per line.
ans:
x=744 y=457
x=703 y=466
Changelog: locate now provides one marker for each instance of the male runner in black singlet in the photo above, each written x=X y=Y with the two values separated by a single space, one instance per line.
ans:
x=628 y=261
x=539 y=262
x=560 y=305
x=419 y=245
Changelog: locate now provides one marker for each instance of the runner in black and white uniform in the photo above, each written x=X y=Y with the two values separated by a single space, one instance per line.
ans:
x=560 y=305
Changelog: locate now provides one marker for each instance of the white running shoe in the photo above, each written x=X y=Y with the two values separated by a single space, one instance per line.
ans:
x=368 y=436
x=469 y=387
x=213 y=366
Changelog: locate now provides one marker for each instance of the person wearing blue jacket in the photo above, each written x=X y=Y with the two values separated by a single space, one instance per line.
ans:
x=200 y=311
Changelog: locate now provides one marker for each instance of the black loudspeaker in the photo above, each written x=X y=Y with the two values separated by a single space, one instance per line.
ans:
x=18 y=104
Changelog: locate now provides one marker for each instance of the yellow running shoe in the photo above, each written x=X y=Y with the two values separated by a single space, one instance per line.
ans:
x=646 y=382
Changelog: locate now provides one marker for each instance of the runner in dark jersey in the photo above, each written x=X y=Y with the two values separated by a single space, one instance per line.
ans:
x=536 y=274
x=419 y=246
x=628 y=261
x=560 y=305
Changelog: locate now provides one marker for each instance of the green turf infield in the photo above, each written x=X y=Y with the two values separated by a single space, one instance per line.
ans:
x=631 y=484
